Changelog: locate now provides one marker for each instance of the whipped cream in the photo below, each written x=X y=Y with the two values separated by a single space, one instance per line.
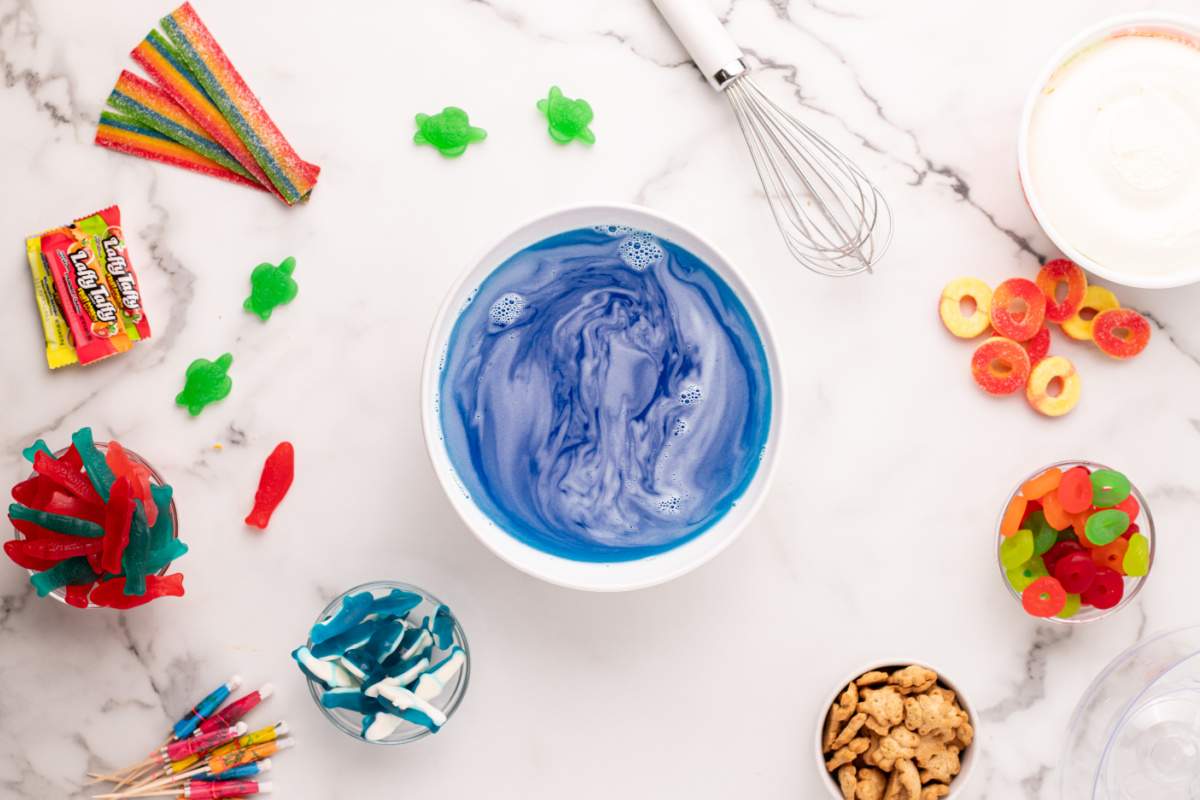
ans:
x=1114 y=153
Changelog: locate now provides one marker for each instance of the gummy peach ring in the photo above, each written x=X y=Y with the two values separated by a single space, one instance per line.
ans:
x=1054 y=369
x=1000 y=366
x=957 y=292
x=1095 y=300
x=1120 y=332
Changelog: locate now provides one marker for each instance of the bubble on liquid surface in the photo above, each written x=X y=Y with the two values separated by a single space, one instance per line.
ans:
x=507 y=309
x=640 y=251
x=613 y=230
x=680 y=427
x=691 y=395
x=669 y=505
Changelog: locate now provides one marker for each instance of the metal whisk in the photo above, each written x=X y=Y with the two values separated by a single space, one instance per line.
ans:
x=833 y=219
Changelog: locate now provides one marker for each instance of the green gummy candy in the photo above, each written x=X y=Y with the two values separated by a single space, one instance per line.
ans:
x=1071 y=608
x=1044 y=536
x=136 y=560
x=1137 y=556
x=163 y=532
x=70 y=572
x=1020 y=577
x=1017 y=549
x=94 y=463
x=567 y=119
x=205 y=382
x=1067 y=535
x=1109 y=487
x=270 y=287
x=39 y=446
x=1105 y=526
x=449 y=131
x=59 y=523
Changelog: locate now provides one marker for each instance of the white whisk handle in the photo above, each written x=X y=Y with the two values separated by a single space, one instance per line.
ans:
x=710 y=45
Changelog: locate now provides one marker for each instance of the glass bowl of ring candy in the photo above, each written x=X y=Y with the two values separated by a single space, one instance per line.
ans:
x=387 y=663
x=95 y=525
x=1076 y=542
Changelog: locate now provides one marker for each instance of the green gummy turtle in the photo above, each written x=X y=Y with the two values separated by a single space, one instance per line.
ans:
x=567 y=119
x=205 y=382
x=270 y=287
x=450 y=131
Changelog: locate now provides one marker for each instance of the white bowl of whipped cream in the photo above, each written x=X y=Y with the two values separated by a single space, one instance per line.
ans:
x=1109 y=150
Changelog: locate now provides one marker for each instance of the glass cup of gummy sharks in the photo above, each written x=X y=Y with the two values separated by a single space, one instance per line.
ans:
x=386 y=662
x=601 y=399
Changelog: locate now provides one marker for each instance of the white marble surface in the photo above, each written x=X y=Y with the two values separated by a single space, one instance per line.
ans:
x=875 y=540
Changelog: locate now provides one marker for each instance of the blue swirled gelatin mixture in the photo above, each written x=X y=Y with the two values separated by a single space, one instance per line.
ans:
x=605 y=396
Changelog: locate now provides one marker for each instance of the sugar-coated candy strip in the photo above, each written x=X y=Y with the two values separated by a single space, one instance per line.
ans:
x=354 y=610
x=111 y=593
x=204 y=709
x=60 y=352
x=71 y=571
x=71 y=526
x=94 y=464
x=292 y=176
x=148 y=105
x=162 y=62
x=65 y=477
x=124 y=135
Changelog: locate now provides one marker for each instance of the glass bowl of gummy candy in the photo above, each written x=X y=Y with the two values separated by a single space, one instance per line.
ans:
x=1075 y=542
x=386 y=662
x=95 y=525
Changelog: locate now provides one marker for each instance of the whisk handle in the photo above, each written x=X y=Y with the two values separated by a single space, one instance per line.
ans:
x=710 y=45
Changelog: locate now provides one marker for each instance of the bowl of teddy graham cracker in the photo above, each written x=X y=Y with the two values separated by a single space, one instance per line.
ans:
x=898 y=730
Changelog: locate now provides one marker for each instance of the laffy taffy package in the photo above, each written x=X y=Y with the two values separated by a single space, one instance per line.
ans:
x=87 y=294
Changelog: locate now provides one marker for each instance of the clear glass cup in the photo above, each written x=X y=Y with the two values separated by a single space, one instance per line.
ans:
x=1145 y=523
x=350 y=722
x=155 y=479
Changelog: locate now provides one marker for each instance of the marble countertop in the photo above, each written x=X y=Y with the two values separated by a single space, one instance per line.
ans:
x=876 y=538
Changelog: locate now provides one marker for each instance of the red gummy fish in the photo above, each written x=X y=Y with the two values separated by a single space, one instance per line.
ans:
x=273 y=485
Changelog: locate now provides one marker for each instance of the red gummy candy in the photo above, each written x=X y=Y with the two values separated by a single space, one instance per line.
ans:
x=1107 y=589
x=1130 y=506
x=1038 y=346
x=1018 y=309
x=54 y=550
x=1061 y=271
x=111 y=593
x=12 y=549
x=1045 y=597
x=117 y=519
x=77 y=594
x=61 y=474
x=273 y=485
x=1075 y=490
x=1059 y=550
x=1075 y=571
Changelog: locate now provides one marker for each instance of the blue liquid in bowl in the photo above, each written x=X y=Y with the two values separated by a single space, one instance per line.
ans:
x=605 y=396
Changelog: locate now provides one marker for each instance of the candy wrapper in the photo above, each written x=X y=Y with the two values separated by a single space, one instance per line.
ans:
x=86 y=290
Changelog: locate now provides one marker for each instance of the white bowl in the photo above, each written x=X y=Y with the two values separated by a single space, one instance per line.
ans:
x=613 y=576
x=1143 y=21
x=967 y=757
